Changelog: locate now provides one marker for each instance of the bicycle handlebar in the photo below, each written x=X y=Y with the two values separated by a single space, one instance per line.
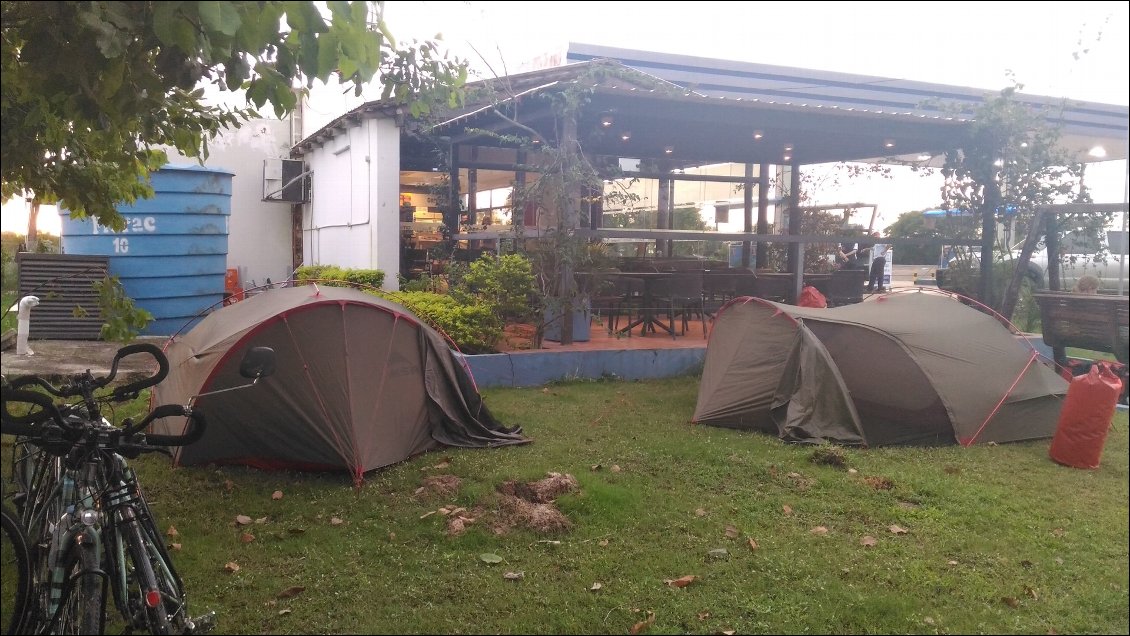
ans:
x=130 y=391
x=194 y=431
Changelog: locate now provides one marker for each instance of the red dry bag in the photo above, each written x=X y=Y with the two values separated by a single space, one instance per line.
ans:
x=1085 y=418
x=811 y=297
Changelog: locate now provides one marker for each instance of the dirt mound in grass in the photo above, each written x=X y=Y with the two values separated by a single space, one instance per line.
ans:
x=530 y=505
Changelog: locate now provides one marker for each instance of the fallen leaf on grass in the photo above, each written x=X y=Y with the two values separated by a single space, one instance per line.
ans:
x=427 y=514
x=703 y=616
x=174 y=546
x=231 y=566
x=787 y=509
x=644 y=624
x=513 y=576
x=291 y=592
x=490 y=557
x=277 y=495
x=246 y=537
x=699 y=512
x=1033 y=592
x=242 y=520
x=1058 y=532
x=868 y=541
x=682 y=581
x=596 y=587
x=615 y=468
x=819 y=530
x=603 y=543
x=172 y=532
x=285 y=611
x=732 y=532
x=896 y=529
x=752 y=544
x=261 y=520
x=334 y=521
x=1010 y=601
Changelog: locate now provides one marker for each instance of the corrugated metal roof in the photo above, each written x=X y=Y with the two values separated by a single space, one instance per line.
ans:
x=778 y=84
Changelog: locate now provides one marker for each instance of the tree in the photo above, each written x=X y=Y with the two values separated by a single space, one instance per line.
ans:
x=1011 y=162
x=91 y=90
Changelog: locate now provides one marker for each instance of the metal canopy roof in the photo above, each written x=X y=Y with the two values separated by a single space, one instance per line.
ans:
x=685 y=128
x=1083 y=124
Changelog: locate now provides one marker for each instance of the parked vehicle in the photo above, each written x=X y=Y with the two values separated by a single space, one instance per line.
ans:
x=1106 y=260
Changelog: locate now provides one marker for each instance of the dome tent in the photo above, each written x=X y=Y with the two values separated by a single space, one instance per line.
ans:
x=917 y=368
x=360 y=383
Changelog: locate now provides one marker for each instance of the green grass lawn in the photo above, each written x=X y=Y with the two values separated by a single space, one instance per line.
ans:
x=989 y=539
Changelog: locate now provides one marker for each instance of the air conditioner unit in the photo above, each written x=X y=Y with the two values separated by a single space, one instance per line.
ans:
x=286 y=181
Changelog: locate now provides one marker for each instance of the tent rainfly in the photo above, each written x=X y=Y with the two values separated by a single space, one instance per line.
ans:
x=361 y=383
x=917 y=368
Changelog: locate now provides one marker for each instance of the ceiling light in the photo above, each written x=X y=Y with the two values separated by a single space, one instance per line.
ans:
x=1098 y=152
x=757 y=134
x=626 y=135
x=888 y=143
x=923 y=157
x=788 y=147
x=606 y=120
x=668 y=150
x=787 y=158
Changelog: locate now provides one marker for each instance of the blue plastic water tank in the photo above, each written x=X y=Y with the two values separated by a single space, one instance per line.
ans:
x=172 y=256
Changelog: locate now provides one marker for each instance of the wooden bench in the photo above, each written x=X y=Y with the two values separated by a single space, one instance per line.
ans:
x=1098 y=322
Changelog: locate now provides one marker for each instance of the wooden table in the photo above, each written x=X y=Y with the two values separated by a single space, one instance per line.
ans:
x=647 y=311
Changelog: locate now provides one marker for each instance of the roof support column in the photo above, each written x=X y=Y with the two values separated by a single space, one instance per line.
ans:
x=748 y=217
x=762 y=253
x=451 y=211
x=795 y=257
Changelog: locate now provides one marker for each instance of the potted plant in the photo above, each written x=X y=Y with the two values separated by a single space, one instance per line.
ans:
x=568 y=271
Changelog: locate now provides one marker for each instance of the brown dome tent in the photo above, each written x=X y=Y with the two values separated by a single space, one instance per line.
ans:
x=917 y=368
x=360 y=383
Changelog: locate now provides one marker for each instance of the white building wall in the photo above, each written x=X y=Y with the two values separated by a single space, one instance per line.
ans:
x=352 y=219
x=259 y=233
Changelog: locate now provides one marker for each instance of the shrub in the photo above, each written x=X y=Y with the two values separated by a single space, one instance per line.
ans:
x=474 y=327
x=335 y=276
x=505 y=282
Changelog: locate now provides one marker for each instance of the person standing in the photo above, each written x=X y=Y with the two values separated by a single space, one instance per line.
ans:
x=879 y=254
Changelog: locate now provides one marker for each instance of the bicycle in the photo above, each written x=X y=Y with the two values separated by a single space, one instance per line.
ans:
x=92 y=533
x=15 y=561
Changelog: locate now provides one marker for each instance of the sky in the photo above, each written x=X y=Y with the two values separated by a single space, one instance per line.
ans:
x=1076 y=50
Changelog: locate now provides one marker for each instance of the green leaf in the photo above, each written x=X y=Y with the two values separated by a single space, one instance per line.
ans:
x=327 y=55
x=219 y=16
x=490 y=557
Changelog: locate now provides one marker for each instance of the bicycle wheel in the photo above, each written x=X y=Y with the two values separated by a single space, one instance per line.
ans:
x=14 y=584
x=153 y=594
x=81 y=610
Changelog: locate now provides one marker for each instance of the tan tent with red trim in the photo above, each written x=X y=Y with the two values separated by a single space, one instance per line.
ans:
x=360 y=383
x=917 y=368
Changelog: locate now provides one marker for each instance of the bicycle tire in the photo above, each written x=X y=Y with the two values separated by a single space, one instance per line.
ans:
x=15 y=561
x=82 y=609
x=156 y=616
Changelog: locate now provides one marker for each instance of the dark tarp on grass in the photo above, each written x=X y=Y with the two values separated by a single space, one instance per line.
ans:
x=360 y=383
x=908 y=368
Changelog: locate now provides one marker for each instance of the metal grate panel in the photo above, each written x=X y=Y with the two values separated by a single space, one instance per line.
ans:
x=64 y=284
